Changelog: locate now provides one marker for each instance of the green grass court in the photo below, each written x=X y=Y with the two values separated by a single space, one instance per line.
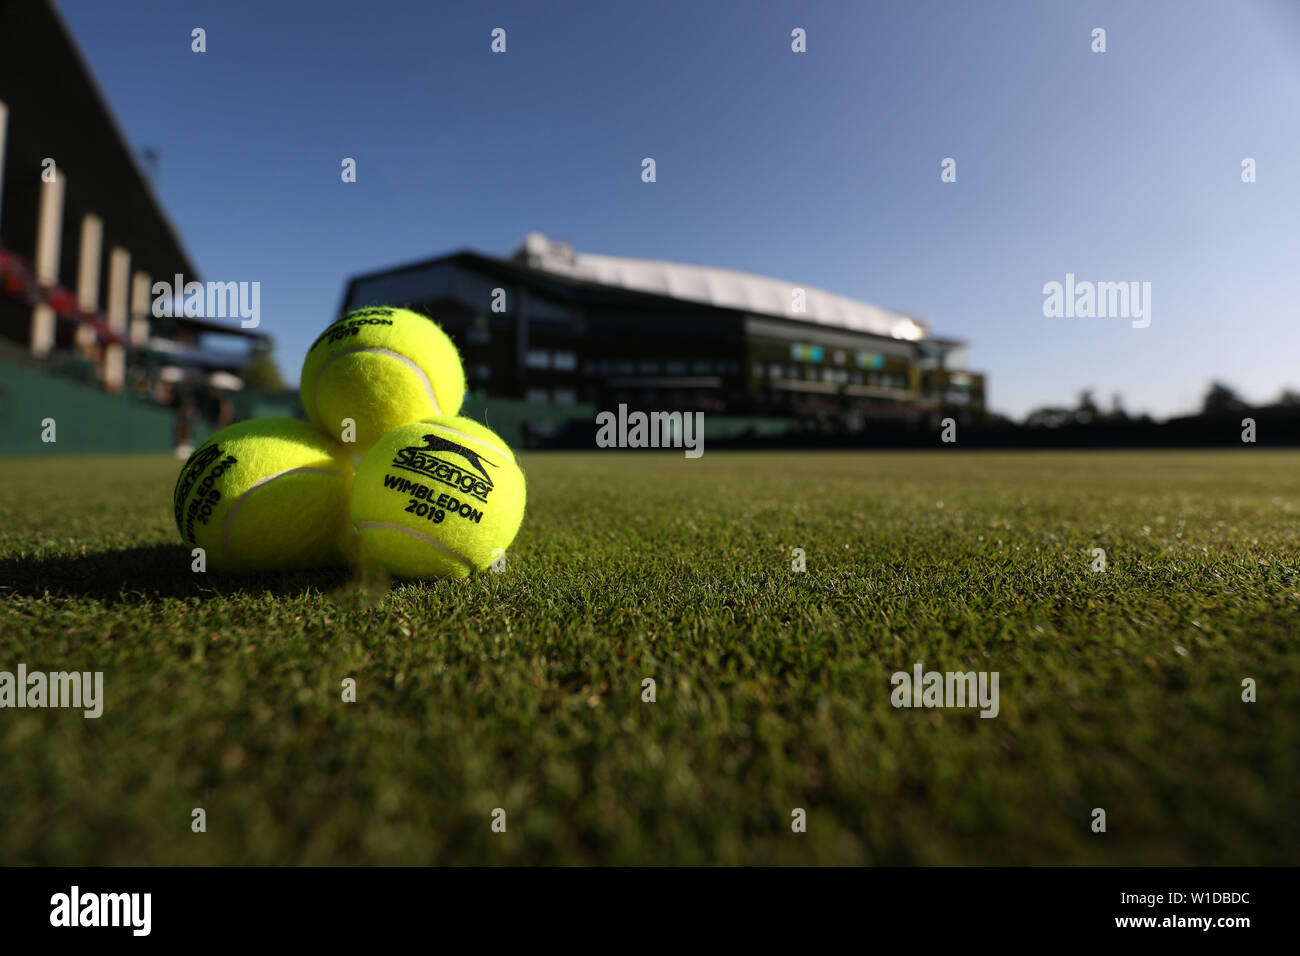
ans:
x=522 y=690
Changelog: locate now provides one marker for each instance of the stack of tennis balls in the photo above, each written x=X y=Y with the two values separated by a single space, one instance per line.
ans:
x=388 y=476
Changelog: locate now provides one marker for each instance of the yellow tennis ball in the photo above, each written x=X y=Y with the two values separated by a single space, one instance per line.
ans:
x=437 y=498
x=269 y=494
x=381 y=367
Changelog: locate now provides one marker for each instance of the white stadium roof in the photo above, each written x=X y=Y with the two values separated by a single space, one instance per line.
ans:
x=725 y=288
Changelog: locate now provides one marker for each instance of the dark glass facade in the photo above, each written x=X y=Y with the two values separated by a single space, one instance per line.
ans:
x=531 y=335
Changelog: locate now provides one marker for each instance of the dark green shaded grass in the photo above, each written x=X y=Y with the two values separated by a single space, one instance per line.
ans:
x=522 y=690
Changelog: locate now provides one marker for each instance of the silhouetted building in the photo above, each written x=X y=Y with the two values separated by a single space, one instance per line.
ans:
x=553 y=326
x=82 y=235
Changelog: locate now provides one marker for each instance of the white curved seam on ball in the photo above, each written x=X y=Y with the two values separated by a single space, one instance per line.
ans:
x=239 y=503
x=428 y=385
x=505 y=453
x=387 y=526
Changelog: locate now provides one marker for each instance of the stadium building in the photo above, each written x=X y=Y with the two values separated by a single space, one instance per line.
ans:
x=83 y=237
x=553 y=326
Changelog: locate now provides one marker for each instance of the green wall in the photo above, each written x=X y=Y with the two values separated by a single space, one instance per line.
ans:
x=87 y=420
x=507 y=418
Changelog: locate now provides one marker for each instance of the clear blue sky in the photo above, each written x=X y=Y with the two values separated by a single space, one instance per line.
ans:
x=822 y=168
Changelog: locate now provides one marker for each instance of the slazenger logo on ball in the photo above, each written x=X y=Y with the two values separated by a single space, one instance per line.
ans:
x=423 y=462
x=351 y=324
x=203 y=503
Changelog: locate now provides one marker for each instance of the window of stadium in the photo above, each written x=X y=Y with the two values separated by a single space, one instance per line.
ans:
x=564 y=361
x=543 y=313
x=470 y=287
x=537 y=358
x=427 y=283
x=870 y=360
